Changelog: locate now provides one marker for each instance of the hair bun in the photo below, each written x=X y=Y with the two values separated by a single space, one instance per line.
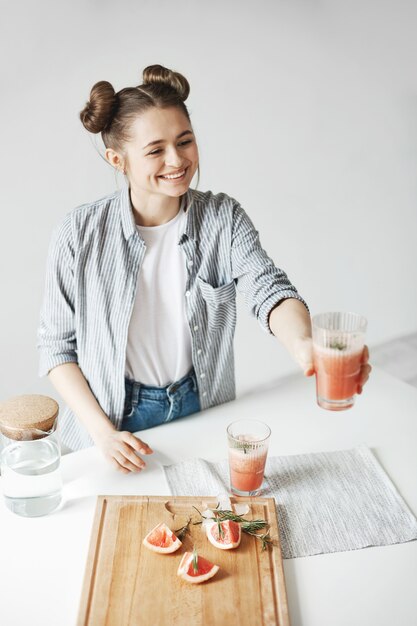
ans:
x=98 y=111
x=160 y=75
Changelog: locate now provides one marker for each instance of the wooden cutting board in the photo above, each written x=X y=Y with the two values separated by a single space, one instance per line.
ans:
x=126 y=584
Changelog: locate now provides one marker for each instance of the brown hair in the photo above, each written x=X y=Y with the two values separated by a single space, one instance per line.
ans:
x=112 y=114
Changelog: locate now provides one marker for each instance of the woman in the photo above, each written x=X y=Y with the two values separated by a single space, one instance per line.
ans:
x=139 y=310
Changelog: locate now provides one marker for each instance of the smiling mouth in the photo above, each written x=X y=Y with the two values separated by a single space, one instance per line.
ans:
x=175 y=177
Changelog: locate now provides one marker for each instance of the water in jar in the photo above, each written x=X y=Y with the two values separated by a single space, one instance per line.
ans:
x=31 y=476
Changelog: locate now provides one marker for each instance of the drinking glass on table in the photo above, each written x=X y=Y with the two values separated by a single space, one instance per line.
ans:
x=338 y=343
x=248 y=448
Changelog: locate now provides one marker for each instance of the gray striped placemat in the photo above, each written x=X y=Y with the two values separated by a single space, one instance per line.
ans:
x=326 y=501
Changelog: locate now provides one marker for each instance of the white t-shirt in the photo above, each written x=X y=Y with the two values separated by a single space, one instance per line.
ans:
x=159 y=339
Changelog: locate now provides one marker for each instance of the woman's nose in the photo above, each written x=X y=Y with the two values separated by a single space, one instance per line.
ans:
x=173 y=158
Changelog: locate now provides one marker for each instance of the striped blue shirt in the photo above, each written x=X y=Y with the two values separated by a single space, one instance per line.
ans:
x=90 y=288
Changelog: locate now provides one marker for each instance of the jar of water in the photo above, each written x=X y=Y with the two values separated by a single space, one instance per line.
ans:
x=30 y=455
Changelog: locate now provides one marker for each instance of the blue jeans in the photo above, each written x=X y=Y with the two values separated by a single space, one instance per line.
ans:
x=147 y=406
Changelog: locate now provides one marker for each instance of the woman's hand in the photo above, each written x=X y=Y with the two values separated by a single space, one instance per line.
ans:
x=303 y=354
x=365 y=369
x=120 y=448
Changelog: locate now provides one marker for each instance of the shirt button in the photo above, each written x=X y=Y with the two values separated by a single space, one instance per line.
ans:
x=199 y=351
x=202 y=375
x=187 y=294
x=190 y=263
x=195 y=327
x=204 y=393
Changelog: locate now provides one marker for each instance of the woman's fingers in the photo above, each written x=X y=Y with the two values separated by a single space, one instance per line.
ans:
x=121 y=449
x=118 y=467
x=129 y=454
x=303 y=352
x=363 y=376
x=365 y=355
x=126 y=463
x=136 y=443
x=145 y=449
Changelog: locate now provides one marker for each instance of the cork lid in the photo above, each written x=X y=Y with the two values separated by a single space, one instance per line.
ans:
x=22 y=416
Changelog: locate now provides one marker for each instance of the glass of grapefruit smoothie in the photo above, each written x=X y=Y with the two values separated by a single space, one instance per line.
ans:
x=248 y=448
x=338 y=342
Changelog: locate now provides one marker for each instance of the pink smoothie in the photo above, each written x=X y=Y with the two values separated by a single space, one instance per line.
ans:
x=337 y=372
x=247 y=470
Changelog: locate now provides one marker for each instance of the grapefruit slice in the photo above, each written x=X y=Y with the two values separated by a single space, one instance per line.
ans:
x=162 y=539
x=196 y=569
x=226 y=537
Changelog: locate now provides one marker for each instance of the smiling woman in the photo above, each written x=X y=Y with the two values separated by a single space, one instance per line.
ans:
x=159 y=170
x=139 y=311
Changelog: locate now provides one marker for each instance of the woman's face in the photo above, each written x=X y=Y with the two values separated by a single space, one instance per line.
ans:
x=163 y=144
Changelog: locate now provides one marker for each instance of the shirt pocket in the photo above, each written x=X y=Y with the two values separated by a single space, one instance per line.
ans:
x=221 y=304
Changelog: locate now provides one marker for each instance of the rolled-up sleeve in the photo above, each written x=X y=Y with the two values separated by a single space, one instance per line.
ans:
x=56 y=336
x=262 y=284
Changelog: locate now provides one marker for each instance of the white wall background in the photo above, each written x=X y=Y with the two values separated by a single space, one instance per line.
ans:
x=304 y=111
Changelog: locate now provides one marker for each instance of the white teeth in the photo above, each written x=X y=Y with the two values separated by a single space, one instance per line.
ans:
x=174 y=175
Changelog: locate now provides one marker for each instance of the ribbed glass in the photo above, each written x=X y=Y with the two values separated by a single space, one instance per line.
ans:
x=338 y=341
x=248 y=448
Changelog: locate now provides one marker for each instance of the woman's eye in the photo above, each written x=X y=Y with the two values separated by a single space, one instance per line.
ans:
x=183 y=143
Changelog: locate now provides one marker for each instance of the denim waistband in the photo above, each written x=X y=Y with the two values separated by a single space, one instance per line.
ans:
x=136 y=388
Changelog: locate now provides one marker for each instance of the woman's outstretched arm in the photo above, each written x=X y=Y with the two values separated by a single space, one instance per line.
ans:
x=291 y=324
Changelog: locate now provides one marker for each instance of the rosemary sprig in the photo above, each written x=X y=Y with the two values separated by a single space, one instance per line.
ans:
x=219 y=527
x=243 y=445
x=199 y=512
x=250 y=527
x=337 y=345
x=195 y=561
x=181 y=532
x=265 y=538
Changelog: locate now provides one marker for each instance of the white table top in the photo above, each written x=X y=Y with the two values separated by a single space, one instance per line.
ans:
x=43 y=559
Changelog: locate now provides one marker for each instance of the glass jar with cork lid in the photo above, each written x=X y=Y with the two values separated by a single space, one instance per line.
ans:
x=30 y=455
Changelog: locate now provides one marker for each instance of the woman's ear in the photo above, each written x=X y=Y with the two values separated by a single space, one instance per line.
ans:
x=114 y=159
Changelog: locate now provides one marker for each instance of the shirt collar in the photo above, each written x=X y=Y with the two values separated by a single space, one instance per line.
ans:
x=128 y=220
x=190 y=227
